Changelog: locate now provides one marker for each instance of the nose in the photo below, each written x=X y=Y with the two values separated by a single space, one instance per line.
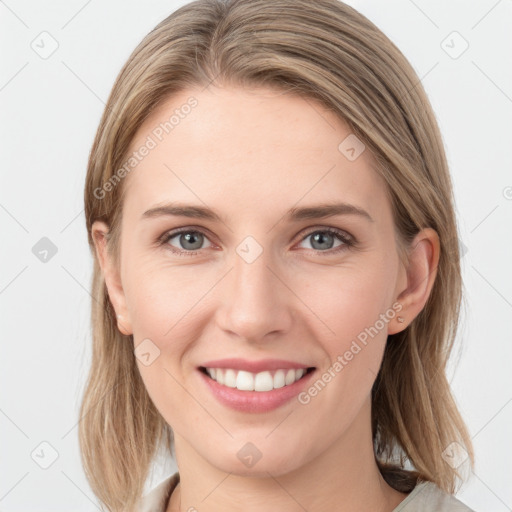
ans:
x=256 y=302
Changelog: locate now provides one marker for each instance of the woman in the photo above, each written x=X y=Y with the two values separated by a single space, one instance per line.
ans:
x=276 y=279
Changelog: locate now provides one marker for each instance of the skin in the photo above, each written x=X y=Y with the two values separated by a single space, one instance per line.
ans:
x=251 y=155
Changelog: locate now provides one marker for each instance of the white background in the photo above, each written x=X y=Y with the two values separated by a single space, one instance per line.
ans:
x=50 y=110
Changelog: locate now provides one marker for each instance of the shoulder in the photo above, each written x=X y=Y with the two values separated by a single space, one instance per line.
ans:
x=428 y=497
x=156 y=500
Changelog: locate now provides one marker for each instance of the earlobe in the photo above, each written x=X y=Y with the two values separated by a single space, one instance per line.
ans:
x=421 y=272
x=111 y=276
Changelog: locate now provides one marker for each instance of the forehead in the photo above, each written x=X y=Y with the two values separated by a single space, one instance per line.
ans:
x=242 y=151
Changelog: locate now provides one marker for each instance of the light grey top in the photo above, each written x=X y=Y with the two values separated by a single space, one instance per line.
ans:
x=425 y=497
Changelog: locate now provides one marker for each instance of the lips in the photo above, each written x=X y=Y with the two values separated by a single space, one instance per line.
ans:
x=250 y=386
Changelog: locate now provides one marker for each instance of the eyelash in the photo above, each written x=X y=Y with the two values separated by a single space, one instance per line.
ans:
x=348 y=240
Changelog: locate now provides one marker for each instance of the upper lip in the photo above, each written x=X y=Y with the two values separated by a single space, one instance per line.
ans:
x=254 y=366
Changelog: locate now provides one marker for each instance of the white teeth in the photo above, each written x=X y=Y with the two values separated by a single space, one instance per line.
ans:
x=230 y=378
x=279 y=379
x=244 y=381
x=262 y=381
x=290 y=377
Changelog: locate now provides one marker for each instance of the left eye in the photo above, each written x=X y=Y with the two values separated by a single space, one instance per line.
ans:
x=321 y=238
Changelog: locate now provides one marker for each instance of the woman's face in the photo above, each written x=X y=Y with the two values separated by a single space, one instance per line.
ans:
x=259 y=278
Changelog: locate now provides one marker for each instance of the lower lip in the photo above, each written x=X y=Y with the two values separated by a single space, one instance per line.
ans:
x=255 y=401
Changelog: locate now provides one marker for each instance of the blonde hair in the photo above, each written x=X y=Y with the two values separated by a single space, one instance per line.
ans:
x=324 y=50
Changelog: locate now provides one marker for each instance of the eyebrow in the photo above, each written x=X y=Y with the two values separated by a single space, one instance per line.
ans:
x=320 y=211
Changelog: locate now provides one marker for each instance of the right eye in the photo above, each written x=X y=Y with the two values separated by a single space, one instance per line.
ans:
x=187 y=242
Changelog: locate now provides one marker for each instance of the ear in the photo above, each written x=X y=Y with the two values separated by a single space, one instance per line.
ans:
x=112 y=277
x=419 y=276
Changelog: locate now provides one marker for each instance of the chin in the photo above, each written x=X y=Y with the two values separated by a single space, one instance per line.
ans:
x=276 y=465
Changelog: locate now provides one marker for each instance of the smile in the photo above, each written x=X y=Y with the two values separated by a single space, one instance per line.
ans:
x=261 y=381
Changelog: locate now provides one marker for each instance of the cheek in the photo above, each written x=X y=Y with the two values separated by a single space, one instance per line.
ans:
x=349 y=299
x=158 y=294
x=164 y=308
x=351 y=305
x=354 y=306
x=167 y=306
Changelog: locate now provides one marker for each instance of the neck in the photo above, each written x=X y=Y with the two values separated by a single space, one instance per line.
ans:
x=344 y=478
